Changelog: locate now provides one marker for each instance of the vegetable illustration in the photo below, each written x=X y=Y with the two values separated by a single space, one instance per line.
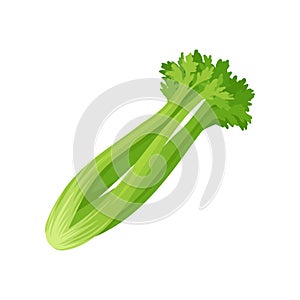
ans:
x=119 y=180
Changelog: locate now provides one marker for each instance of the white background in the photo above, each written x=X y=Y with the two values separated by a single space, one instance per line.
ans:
x=58 y=56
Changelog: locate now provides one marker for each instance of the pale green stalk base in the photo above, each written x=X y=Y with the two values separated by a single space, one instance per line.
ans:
x=74 y=220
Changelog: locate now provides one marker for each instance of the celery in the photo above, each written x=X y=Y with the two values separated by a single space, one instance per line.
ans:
x=88 y=207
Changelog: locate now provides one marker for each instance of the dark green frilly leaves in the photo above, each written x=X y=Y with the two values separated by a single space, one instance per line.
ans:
x=228 y=97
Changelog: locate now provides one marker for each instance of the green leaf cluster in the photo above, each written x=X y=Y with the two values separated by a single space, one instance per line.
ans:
x=228 y=97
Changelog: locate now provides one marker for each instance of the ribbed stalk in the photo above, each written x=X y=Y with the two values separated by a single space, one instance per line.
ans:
x=74 y=218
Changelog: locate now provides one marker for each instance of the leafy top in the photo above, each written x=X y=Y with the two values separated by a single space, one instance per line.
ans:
x=228 y=97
